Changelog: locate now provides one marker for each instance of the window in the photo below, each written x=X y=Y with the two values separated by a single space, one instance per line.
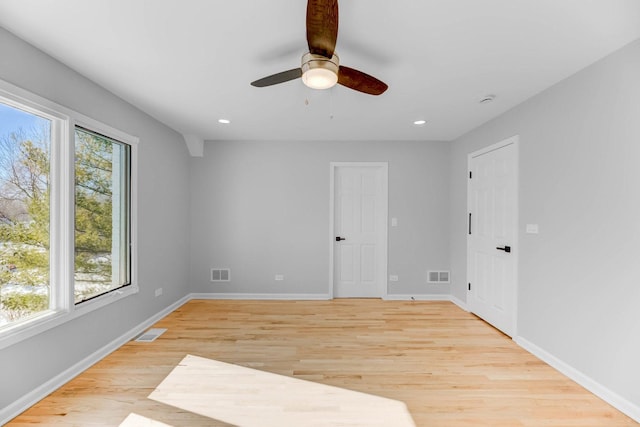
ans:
x=102 y=170
x=67 y=214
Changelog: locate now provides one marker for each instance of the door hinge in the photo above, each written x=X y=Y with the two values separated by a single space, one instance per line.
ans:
x=469 y=286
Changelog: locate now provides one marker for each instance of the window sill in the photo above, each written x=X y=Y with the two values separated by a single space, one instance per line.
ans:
x=51 y=319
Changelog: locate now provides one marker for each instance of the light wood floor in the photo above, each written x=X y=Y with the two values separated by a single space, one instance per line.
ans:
x=450 y=368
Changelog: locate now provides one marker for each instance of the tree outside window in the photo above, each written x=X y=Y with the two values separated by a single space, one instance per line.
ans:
x=24 y=214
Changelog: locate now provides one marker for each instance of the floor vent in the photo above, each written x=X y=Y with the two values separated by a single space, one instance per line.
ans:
x=150 y=335
x=220 y=275
x=437 y=277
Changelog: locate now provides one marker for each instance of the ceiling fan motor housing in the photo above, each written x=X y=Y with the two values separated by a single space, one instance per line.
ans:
x=320 y=72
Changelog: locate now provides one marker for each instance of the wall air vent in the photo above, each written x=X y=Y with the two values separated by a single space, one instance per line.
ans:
x=438 y=277
x=220 y=275
x=150 y=335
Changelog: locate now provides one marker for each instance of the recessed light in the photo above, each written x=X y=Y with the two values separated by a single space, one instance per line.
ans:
x=224 y=121
x=419 y=122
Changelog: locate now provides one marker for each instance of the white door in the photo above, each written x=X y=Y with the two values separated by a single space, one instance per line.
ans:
x=359 y=229
x=491 y=240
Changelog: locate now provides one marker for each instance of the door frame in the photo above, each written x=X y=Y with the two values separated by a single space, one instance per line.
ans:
x=515 y=141
x=384 y=170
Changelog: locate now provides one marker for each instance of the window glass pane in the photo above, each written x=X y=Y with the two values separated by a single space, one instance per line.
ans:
x=24 y=214
x=102 y=226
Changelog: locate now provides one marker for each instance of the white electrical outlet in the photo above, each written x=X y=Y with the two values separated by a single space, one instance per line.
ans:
x=532 y=229
x=158 y=292
x=279 y=277
x=393 y=278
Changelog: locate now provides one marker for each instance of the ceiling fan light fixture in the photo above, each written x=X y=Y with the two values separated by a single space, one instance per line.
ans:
x=320 y=72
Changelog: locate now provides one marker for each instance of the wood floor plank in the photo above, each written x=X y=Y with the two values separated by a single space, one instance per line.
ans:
x=449 y=368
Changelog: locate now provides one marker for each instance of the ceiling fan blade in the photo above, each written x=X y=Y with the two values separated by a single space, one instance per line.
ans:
x=275 y=79
x=322 y=26
x=362 y=82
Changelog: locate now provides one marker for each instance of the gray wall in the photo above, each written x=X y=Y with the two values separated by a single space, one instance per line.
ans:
x=262 y=208
x=163 y=221
x=579 y=279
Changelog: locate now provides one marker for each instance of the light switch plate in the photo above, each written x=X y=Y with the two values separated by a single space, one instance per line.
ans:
x=394 y=222
x=531 y=229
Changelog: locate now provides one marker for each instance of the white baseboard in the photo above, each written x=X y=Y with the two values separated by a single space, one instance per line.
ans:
x=457 y=301
x=248 y=296
x=613 y=399
x=33 y=397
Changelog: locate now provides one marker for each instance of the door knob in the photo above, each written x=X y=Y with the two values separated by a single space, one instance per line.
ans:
x=338 y=238
x=506 y=249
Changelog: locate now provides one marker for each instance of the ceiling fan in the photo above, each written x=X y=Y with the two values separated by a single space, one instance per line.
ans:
x=321 y=67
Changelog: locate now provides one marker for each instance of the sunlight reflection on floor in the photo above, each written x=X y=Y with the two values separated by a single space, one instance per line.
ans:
x=250 y=398
x=135 y=420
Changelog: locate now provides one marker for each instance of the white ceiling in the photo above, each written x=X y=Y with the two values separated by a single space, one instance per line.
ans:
x=189 y=62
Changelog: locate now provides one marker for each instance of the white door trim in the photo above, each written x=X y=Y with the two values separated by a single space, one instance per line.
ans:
x=384 y=168
x=515 y=141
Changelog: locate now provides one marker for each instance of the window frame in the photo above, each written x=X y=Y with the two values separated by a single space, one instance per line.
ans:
x=62 y=208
